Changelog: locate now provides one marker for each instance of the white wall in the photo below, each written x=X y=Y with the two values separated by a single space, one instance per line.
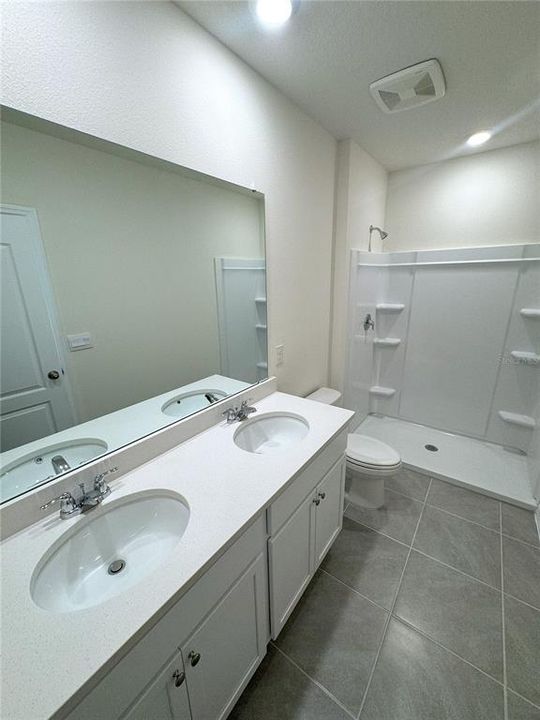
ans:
x=130 y=250
x=146 y=76
x=360 y=202
x=488 y=198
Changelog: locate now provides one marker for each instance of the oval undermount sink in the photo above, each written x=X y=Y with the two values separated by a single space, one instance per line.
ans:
x=271 y=433
x=109 y=550
x=37 y=467
x=190 y=402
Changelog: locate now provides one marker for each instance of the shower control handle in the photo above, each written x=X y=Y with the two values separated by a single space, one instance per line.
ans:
x=369 y=323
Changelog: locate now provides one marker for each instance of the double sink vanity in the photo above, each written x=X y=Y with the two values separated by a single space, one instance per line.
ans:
x=158 y=599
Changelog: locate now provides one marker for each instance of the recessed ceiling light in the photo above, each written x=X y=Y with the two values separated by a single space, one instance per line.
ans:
x=274 y=12
x=479 y=138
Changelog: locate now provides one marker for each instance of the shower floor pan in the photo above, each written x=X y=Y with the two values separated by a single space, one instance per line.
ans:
x=484 y=467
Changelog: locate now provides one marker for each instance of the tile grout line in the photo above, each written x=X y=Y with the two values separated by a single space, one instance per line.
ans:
x=431 y=557
x=379 y=532
x=321 y=687
x=522 y=697
x=390 y=615
x=523 y=602
x=461 y=572
x=354 y=590
x=430 y=639
x=522 y=542
x=503 y=628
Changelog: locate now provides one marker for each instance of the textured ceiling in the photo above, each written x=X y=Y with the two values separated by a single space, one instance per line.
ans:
x=326 y=56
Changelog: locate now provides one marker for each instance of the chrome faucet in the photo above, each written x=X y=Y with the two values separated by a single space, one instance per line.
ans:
x=70 y=505
x=60 y=464
x=233 y=414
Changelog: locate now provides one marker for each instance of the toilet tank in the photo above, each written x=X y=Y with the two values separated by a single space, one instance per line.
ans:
x=325 y=395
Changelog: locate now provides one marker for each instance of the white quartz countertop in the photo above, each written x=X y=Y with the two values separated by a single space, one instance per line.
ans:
x=48 y=657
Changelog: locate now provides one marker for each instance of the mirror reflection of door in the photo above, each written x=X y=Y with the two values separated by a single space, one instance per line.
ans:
x=34 y=390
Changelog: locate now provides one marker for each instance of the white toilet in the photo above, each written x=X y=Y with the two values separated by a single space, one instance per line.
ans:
x=369 y=461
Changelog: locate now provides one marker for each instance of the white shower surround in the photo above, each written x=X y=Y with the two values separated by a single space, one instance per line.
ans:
x=447 y=322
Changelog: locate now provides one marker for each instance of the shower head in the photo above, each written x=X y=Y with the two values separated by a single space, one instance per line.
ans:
x=381 y=232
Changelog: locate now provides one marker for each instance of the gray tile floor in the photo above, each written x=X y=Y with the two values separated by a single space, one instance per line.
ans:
x=427 y=609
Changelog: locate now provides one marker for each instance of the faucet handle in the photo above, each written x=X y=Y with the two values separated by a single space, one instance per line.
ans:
x=230 y=414
x=67 y=503
x=98 y=480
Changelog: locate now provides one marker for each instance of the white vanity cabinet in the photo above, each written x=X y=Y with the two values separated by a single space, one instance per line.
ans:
x=224 y=651
x=195 y=662
x=299 y=541
x=165 y=698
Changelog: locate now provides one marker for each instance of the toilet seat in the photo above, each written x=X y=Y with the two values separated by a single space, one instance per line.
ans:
x=367 y=453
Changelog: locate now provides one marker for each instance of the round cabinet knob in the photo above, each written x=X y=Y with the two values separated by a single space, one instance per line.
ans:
x=53 y=375
x=194 y=658
x=179 y=677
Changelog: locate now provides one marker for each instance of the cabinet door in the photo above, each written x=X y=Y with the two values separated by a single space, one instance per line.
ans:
x=290 y=556
x=329 y=514
x=165 y=698
x=225 y=650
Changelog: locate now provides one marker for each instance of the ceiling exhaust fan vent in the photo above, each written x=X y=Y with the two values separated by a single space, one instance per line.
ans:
x=408 y=88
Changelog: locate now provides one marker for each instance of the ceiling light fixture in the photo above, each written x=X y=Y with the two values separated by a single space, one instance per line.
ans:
x=479 y=138
x=274 y=12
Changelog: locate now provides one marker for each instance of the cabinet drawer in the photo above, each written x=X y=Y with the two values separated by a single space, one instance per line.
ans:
x=283 y=507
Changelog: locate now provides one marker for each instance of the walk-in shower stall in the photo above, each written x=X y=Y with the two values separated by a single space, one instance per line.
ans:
x=450 y=373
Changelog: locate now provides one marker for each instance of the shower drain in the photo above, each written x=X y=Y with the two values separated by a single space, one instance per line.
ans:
x=431 y=448
x=116 y=567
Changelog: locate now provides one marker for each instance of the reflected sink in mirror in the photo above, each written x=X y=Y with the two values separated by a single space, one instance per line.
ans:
x=271 y=433
x=37 y=467
x=109 y=550
x=190 y=402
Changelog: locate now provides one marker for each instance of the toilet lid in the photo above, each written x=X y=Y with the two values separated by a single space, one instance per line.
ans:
x=366 y=450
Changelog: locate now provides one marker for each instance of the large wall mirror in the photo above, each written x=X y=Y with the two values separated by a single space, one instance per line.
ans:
x=133 y=294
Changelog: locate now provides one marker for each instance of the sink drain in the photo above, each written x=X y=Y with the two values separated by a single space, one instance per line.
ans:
x=431 y=448
x=116 y=567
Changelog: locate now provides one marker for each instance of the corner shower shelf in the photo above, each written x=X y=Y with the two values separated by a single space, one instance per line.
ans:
x=528 y=358
x=260 y=300
x=390 y=307
x=533 y=313
x=387 y=342
x=262 y=366
x=259 y=326
x=515 y=419
x=381 y=391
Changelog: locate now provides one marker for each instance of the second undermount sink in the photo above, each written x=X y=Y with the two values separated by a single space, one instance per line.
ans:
x=189 y=402
x=109 y=550
x=271 y=433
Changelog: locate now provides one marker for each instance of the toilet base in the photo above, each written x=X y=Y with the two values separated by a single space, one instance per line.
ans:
x=364 y=491
x=365 y=488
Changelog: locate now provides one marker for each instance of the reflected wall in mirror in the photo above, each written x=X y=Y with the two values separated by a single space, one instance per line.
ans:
x=133 y=294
